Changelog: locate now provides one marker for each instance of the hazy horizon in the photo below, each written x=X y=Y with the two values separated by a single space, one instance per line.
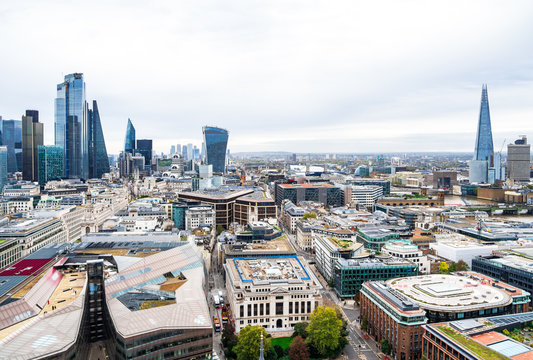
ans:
x=293 y=76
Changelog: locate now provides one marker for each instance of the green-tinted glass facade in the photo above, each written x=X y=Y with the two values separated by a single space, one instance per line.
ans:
x=50 y=159
x=349 y=279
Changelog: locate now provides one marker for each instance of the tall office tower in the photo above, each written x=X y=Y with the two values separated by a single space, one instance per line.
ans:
x=50 y=163
x=129 y=143
x=12 y=139
x=172 y=149
x=484 y=150
x=184 y=152
x=216 y=142
x=189 y=152
x=3 y=167
x=202 y=151
x=195 y=153
x=71 y=127
x=518 y=159
x=178 y=149
x=32 y=137
x=144 y=147
x=98 y=159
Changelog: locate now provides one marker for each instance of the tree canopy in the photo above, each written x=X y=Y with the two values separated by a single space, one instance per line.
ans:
x=247 y=347
x=444 y=268
x=299 y=349
x=324 y=330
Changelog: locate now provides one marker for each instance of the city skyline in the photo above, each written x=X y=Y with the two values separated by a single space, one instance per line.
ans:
x=314 y=79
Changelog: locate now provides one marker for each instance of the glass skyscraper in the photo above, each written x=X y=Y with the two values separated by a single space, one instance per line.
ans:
x=484 y=148
x=129 y=143
x=71 y=127
x=98 y=159
x=481 y=167
x=12 y=139
x=32 y=137
x=3 y=167
x=144 y=147
x=216 y=143
x=50 y=162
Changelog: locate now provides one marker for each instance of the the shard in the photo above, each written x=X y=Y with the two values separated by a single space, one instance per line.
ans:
x=482 y=165
x=484 y=146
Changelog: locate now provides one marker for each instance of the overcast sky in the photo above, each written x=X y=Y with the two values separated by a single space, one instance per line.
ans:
x=299 y=76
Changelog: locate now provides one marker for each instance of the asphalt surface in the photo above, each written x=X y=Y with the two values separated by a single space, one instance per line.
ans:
x=358 y=347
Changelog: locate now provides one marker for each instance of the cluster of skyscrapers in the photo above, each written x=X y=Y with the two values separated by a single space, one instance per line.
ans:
x=78 y=131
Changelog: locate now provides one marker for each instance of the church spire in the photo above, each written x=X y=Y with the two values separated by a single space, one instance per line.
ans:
x=261 y=352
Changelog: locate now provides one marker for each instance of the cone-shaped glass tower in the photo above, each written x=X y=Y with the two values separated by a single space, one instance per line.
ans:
x=129 y=144
x=98 y=159
x=484 y=146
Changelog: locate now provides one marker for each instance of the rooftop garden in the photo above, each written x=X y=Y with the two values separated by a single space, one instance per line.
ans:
x=341 y=243
x=473 y=346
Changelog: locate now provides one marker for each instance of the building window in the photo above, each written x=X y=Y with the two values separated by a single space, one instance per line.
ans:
x=279 y=308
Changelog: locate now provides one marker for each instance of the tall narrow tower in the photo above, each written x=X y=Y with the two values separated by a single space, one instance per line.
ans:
x=483 y=159
x=129 y=143
x=71 y=130
x=32 y=137
x=484 y=149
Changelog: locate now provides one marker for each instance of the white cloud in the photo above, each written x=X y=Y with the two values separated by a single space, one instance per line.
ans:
x=280 y=75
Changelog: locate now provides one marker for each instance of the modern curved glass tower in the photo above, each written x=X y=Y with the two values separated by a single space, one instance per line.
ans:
x=216 y=143
x=129 y=143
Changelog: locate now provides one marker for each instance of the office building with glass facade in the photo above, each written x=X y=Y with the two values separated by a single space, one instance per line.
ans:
x=129 y=142
x=144 y=147
x=71 y=128
x=12 y=139
x=50 y=163
x=483 y=160
x=3 y=167
x=98 y=159
x=32 y=137
x=326 y=194
x=216 y=143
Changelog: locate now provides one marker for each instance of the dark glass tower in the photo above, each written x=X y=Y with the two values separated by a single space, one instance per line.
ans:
x=98 y=159
x=71 y=127
x=144 y=147
x=484 y=149
x=216 y=143
x=12 y=139
x=129 y=143
x=32 y=137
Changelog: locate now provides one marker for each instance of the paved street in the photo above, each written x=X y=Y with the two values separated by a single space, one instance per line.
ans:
x=358 y=347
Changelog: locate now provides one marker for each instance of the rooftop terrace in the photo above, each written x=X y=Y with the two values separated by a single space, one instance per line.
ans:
x=270 y=268
x=450 y=293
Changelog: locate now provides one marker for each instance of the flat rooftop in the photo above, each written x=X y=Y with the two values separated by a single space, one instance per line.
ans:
x=221 y=193
x=450 y=293
x=306 y=186
x=271 y=268
x=24 y=225
x=279 y=244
